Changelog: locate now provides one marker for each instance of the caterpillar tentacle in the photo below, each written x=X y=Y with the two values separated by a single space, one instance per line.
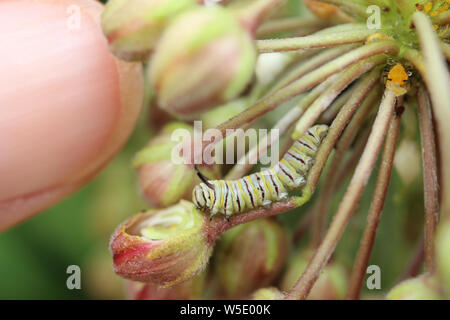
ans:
x=263 y=188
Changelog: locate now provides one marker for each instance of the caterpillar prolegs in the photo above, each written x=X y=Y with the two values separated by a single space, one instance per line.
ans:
x=262 y=188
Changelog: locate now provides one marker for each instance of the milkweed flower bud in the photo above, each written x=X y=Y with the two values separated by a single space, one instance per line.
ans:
x=270 y=293
x=442 y=255
x=162 y=246
x=332 y=282
x=134 y=27
x=189 y=290
x=251 y=256
x=162 y=180
x=424 y=287
x=203 y=59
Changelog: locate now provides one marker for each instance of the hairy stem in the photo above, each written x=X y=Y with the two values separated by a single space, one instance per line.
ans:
x=362 y=88
x=328 y=115
x=430 y=179
x=350 y=165
x=326 y=98
x=308 y=81
x=289 y=24
x=301 y=85
x=359 y=180
x=286 y=122
x=309 y=65
x=438 y=83
x=313 y=41
x=342 y=146
x=218 y=226
x=376 y=207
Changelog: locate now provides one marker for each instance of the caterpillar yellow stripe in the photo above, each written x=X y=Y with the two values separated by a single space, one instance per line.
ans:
x=261 y=189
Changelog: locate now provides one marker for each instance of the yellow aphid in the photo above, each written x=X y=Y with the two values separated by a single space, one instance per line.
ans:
x=428 y=7
x=377 y=37
x=397 y=79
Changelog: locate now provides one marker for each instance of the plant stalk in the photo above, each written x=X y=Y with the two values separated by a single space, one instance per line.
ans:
x=430 y=176
x=437 y=79
x=376 y=207
x=359 y=180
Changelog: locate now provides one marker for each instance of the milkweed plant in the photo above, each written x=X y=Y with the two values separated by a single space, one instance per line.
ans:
x=372 y=74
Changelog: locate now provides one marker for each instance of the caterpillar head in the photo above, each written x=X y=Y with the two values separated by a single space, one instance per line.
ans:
x=201 y=197
x=321 y=131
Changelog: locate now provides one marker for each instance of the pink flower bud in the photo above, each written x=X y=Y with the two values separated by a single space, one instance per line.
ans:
x=164 y=246
x=163 y=181
x=251 y=256
x=203 y=59
x=134 y=27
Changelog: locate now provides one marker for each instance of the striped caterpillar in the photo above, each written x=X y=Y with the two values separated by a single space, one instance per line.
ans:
x=259 y=189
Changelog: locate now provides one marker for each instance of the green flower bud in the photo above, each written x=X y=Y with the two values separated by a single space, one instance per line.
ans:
x=203 y=59
x=443 y=255
x=423 y=287
x=270 y=293
x=331 y=284
x=164 y=247
x=133 y=27
x=162 y=181
x=189 y=290
x=251 y=256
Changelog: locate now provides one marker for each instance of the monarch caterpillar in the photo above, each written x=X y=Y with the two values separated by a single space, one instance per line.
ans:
x=229 y=197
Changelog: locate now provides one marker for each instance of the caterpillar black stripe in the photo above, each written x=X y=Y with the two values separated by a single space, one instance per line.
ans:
x=262 y=188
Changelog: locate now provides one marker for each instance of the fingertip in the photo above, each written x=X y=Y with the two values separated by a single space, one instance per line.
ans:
x=66 y=104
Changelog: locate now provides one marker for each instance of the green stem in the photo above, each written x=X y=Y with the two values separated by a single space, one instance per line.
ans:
x=337 y=127
x=282 y=125
x=376 y=207
x=323 y=102
x=438 y=83
x=341 y=149
x=289 y=24
x=430 y=173
x=305 y=83
x=328 y=115
x=359 y=180
x=316 y=61
x=313 y=41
